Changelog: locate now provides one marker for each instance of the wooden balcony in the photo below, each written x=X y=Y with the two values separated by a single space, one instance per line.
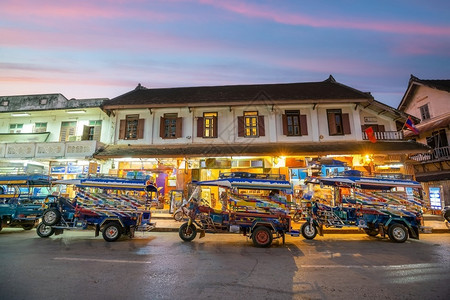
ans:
x=438 y=154
x=385 y=135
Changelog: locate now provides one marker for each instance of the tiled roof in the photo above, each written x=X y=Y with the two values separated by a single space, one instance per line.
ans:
x=440 y=84
x=318 y=148
x=265 y=93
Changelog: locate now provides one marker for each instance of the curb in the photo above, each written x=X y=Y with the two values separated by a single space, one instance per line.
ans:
x=326 y=231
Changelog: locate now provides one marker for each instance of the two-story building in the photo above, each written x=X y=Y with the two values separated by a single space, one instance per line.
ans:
x=194 y=133
x=429 y=100
x=50 y=133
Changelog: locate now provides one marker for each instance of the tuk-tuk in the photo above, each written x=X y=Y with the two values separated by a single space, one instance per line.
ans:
x=21 y=198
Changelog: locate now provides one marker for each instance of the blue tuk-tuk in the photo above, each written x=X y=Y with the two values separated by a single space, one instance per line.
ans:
x=21 y=198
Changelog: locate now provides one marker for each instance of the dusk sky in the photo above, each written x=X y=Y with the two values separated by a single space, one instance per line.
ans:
x=100 y=48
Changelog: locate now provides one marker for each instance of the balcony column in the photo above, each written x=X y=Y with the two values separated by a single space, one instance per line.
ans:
x=315 y=126
x=357 y=124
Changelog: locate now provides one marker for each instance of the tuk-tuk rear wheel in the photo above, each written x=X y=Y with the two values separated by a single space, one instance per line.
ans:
x=262 y=237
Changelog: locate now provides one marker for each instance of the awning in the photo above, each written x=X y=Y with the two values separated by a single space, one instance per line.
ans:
x=38 y=137
x=259 y=149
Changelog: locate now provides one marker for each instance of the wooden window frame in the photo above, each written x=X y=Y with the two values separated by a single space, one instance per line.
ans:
x=16 y=127
x=425 y=112
x=293 y=123
x=131 y=127
x=207 y=125
x=338 y=122
x=39 y=125
x=244 y=127
x=302 y=125
x=131 y=124
x=251 y=124
x=175 y=126
x=67 y=135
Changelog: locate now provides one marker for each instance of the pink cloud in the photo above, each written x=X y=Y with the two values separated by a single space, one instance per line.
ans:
x=269 y=13
x=79 y=10
x=105 y=38
x=413 y=46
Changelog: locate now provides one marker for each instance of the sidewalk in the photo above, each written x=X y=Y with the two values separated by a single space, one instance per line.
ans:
x=166 y=223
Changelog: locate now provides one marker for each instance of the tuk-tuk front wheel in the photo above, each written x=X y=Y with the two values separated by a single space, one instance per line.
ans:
x=262 y=237
x=309 y=231
x=44 y=231
x=187 y=232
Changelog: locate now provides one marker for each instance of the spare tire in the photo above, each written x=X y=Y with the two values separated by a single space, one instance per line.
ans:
x=51 y=216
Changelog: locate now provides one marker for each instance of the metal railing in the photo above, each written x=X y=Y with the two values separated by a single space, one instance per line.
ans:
x=385 y=135
x=438 y=154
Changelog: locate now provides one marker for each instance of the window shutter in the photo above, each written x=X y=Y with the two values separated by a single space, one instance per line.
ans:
x=261 y=127
x=179 y=127
x=303 y=125
x=346 y=123
x=123 y=124
x=332 y=124
x=97 y=133
x=200 y=127
x=215 y=127
x=63 y=134
x=241 y=126
x=85 y=135
x=140 y=128
x=161 y=127
x=285 y=125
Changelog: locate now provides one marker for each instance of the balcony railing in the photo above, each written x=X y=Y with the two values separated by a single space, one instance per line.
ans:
x=438 y=154
x=385 y=135
x=80 y=149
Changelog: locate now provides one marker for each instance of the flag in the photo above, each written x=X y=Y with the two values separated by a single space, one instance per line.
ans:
x=370 y=134
x=410 y=125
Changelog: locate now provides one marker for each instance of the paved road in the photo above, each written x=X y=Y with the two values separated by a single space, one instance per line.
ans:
x=158 y=265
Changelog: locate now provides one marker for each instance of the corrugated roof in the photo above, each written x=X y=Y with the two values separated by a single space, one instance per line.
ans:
x=318 y=148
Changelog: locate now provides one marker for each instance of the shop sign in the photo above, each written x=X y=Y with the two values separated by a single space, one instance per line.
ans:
x=74 y=169
x=86 y=169
x=435 y=198
x=93 y=167
x=370 y=119
x=58 y=170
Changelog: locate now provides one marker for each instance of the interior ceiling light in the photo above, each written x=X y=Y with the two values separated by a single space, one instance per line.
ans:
x=20 y=114
x=76 y=111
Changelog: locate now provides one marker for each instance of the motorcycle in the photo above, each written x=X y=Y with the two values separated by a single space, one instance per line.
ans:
x=297 y=217
x=446 y=215
x=182 y=212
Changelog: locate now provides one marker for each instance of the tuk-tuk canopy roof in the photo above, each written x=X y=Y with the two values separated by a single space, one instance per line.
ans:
x=370 y=183
x=111 y=183
x=26 y=180
x=249 y=183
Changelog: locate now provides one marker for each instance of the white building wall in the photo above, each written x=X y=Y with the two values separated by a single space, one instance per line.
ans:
x=437 y=100
x=317 y=123
x=54 y=120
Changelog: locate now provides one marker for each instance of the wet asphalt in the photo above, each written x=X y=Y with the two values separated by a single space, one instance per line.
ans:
x=158 y=265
